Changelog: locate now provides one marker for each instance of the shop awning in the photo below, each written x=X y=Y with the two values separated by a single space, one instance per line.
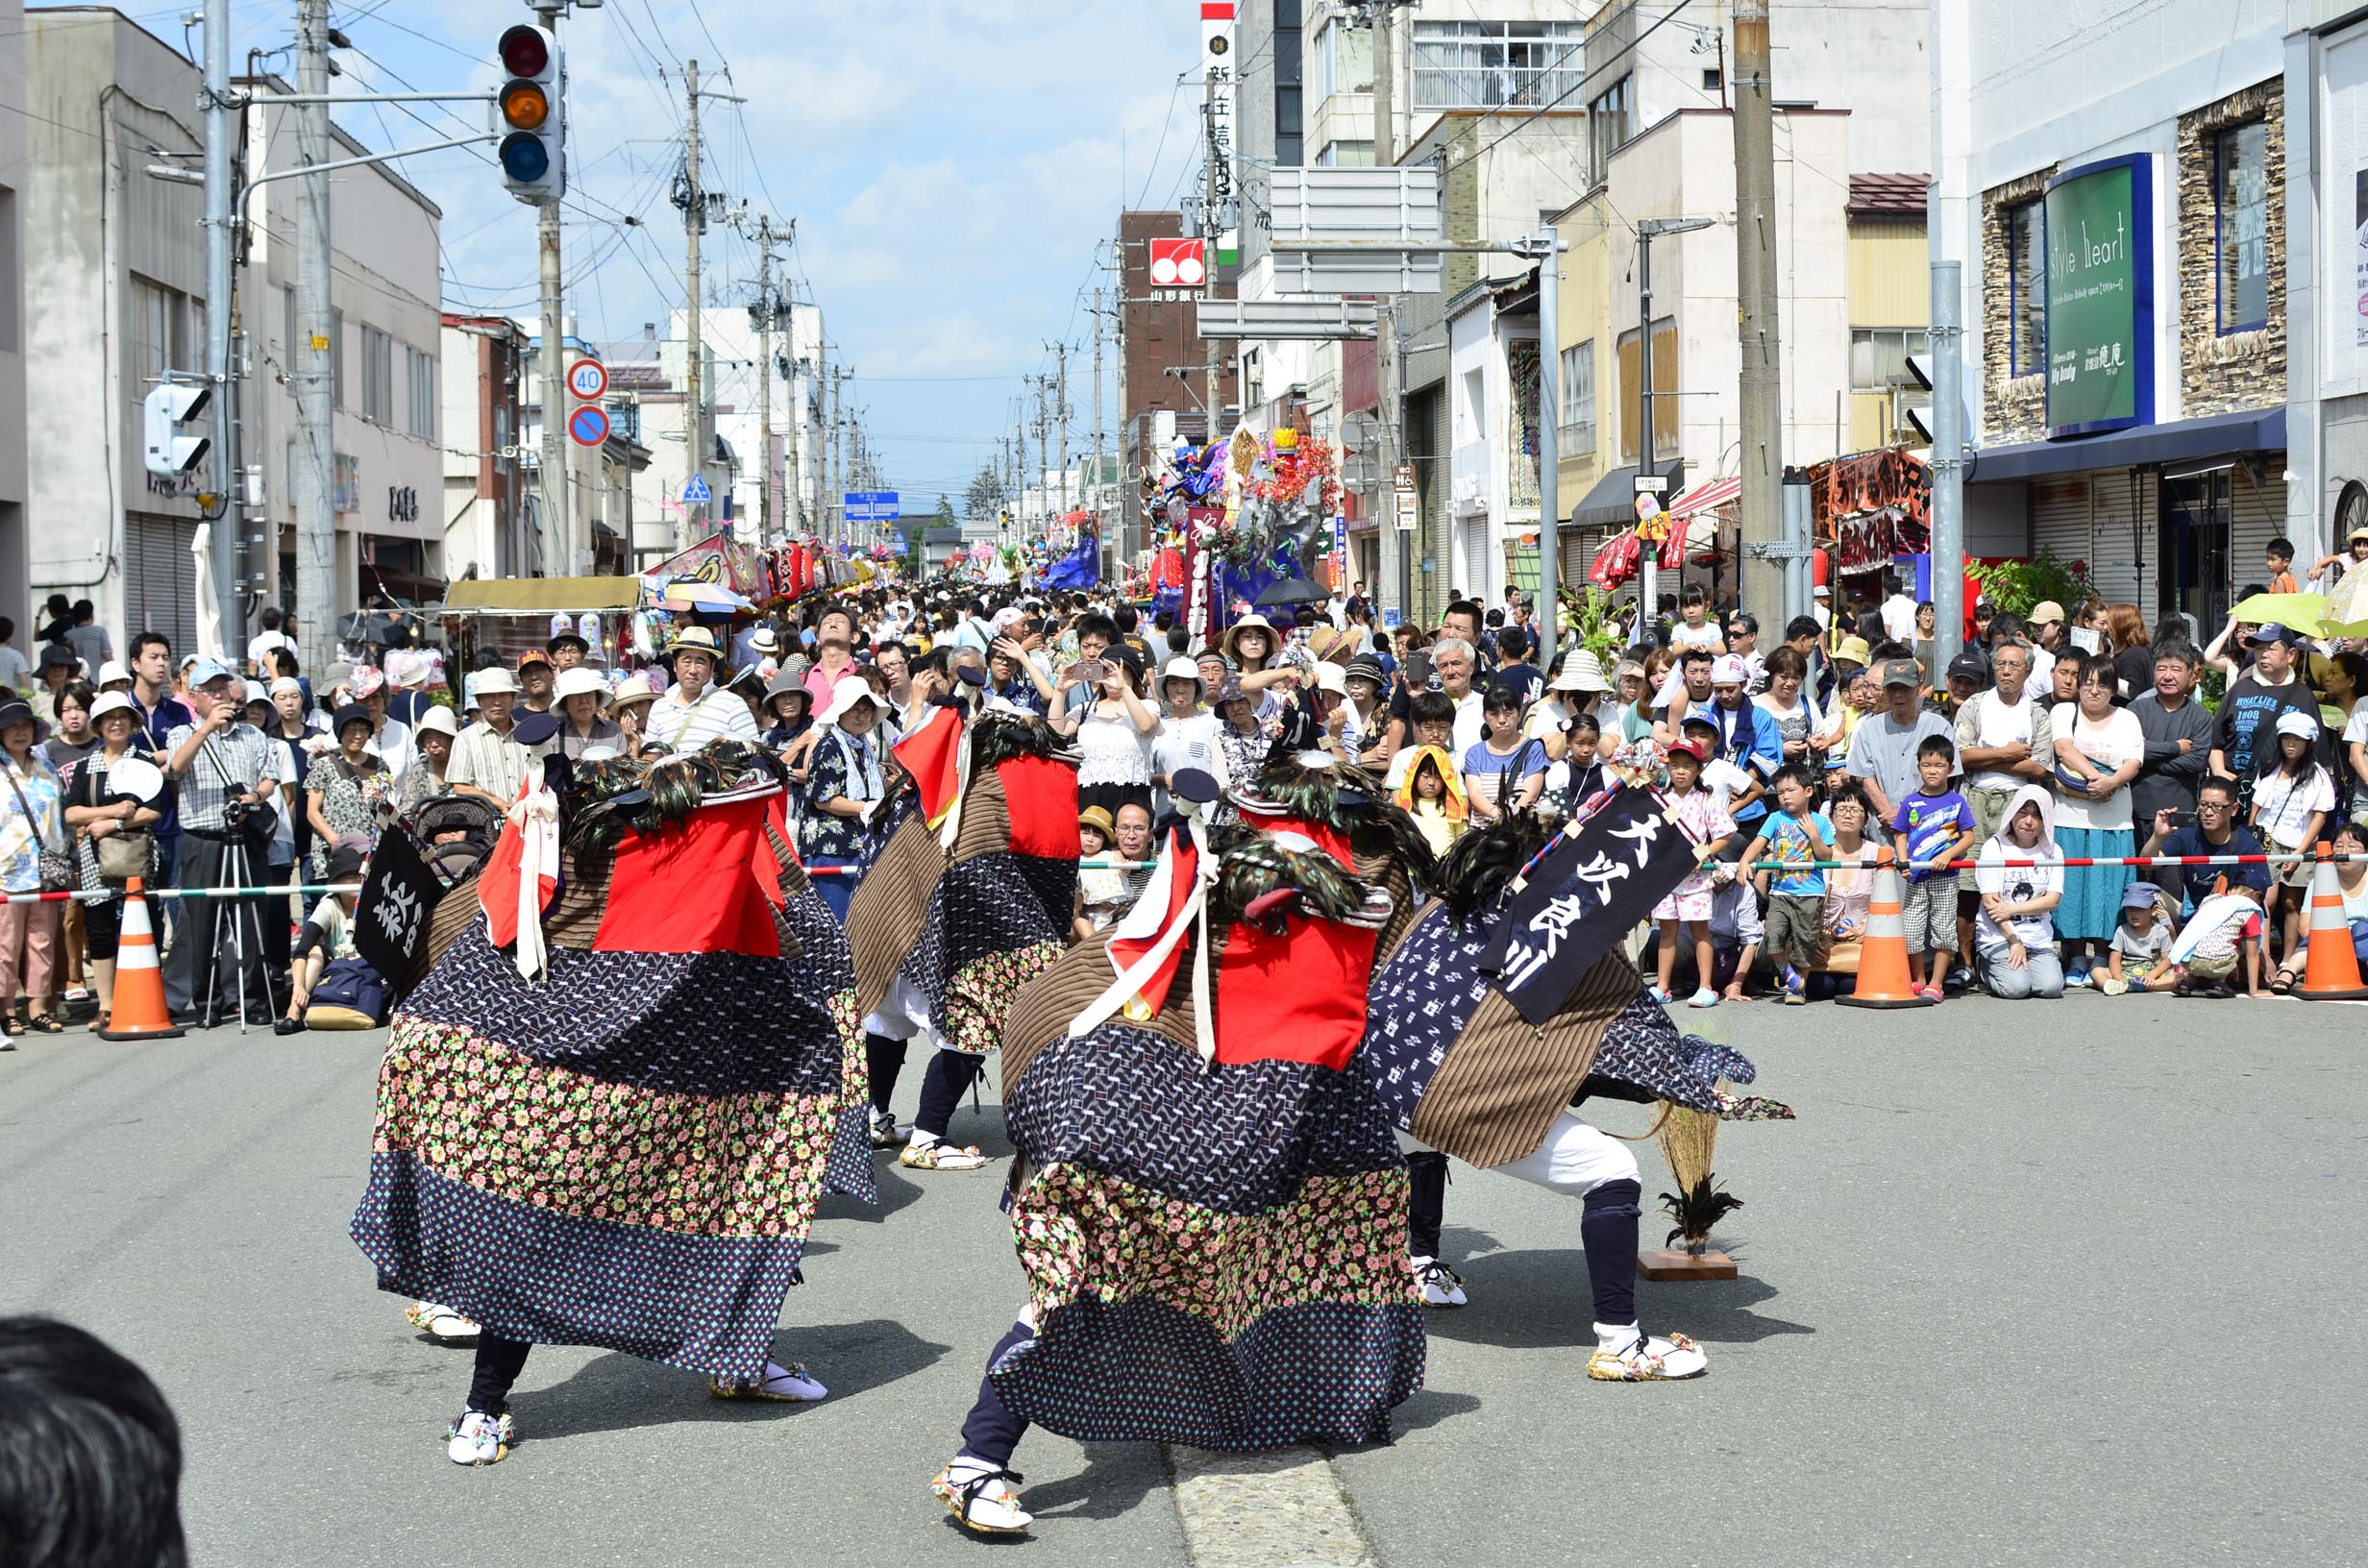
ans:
x=540 y=596
x=1610 y=502
x=1703 y=497
x=2182 y=441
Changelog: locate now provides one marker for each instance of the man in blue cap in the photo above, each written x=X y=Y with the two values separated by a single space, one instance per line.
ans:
x=228 y=773
x=2254 y=703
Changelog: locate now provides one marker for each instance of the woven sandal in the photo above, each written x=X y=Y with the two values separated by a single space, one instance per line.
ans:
x=941 y=1157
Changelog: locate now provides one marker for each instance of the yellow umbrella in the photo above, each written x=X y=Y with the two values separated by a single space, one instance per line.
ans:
x=2347 y=608
x=2298 y=612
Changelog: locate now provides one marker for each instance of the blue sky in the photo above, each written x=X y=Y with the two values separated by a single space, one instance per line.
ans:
x=950 y=165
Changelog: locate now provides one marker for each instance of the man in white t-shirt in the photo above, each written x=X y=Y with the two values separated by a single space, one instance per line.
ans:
x=2005 y=738
x=1899 y=615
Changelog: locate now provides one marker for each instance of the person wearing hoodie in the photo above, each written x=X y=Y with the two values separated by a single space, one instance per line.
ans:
x=2021 y=880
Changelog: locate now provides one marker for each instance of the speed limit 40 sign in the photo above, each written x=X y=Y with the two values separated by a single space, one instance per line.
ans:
x=587 y=378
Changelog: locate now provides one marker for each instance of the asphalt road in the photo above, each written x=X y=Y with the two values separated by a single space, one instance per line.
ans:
x=2038 y=1282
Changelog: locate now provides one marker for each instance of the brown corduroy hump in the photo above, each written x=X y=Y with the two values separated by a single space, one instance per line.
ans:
x=884 y=917
x=1047 y=1004
x=1504 y=1082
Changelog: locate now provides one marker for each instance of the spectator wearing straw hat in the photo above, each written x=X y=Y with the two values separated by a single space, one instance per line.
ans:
x=693 y=711
x=629 y=704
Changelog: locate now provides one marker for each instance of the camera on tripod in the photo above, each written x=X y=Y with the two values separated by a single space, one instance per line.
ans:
x=234 y=814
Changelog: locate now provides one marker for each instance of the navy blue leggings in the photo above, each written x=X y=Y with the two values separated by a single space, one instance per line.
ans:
x=1426 y=1206
x=991 y=1431
x=1608 y=1230
x=950 y=1074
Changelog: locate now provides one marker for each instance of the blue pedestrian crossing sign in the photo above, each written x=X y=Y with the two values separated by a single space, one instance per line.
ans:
x=696 y=493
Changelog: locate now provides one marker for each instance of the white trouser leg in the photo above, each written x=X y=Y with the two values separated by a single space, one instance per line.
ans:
x=1576 y=1158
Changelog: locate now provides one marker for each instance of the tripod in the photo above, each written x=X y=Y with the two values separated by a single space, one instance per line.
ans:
x=244 y=915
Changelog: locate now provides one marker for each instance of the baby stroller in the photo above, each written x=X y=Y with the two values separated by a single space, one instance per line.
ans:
x=455 y=833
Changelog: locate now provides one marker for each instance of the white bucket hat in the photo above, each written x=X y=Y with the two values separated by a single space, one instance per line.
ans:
x=1581 y=672
x=848 y=691
x=437 y=721
x=1184 y=667
x=578 y=680
x=495 y=681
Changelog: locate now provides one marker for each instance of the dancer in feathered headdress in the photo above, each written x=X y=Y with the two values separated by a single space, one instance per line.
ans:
x=627 y=1149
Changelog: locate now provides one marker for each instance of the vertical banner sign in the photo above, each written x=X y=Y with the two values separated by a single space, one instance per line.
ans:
x=2100 y=296
x=1216 y=138
x=1200 y=565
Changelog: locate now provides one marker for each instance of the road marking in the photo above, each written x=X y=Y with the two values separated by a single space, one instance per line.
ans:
x=1285 y=1508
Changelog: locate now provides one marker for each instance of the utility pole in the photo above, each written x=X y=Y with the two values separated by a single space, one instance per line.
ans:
x=1549 y=618
x=838 y=462
x=697 y=447
x=1060 y=420
x=316 y=360
x=818 y=521
x=1095 y=504
x=228 y=524
x=763 y=312
x=559 y=510
x=1948 y=467
x=1397 y=571
x=1044 y=446
x=1208 y=223
x=1760 y=384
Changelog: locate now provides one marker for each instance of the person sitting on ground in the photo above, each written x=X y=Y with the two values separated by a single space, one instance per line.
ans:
x=328 y=933
x=2352 y=880
x=1737 y=932
x=2140 y=959
x=2020 y=878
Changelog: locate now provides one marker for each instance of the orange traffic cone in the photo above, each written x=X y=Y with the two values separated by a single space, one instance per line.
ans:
x=140 y=1012
x=1884 y=979
x=2331 y=971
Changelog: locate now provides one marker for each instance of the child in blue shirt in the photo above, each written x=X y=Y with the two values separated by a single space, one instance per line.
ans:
x=1798 y=835
x=1935 y=823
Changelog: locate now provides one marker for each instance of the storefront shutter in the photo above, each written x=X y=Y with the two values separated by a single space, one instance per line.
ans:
x=160 y=579
x=2122 y=536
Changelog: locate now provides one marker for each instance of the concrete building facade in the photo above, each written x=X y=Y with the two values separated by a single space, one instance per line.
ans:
x=16 y=554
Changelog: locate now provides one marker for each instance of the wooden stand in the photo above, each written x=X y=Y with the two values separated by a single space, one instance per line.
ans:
x=1685 y=1265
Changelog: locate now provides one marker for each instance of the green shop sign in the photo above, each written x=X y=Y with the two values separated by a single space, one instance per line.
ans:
x=2100 y=296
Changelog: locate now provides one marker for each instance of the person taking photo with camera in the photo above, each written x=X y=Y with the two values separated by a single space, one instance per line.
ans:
x=228 y=773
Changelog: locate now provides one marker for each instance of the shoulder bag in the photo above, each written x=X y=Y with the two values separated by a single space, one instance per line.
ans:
x=56 y=866
x=121 y=855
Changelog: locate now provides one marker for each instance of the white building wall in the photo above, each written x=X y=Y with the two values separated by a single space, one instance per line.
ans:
x=99 y=92
x=384 y=275
x=15 y=560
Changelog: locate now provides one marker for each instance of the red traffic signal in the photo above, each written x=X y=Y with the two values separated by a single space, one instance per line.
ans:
x=523 y=51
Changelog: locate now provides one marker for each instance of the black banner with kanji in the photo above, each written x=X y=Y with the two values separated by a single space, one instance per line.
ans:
x=1584 y=897
x=390 y=919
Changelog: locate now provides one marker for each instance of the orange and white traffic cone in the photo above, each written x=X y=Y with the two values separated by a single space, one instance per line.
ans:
x=140 y=1012
x=1885 y=979
x=2331 y=973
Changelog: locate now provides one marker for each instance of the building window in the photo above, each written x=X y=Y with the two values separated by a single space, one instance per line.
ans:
x=1714 y=79
x=2025 y=290
x=1577 y=395
x=1608 y=115
x=1879 y=356
x=1344 y=58
x=2240 y=231
x=168 y=331
x=420 y=379
x=378 y=376
x=1496 y=65
x=337 y=358
x=1346 y=154
x=1290 y=145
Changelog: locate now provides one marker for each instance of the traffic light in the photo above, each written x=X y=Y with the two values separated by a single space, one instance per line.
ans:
x=167 y=408
x=532 y=105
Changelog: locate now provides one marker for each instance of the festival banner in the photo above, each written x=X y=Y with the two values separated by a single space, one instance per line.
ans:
x=1586 y=894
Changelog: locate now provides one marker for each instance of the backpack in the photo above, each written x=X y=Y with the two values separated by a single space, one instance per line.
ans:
x=349 y=996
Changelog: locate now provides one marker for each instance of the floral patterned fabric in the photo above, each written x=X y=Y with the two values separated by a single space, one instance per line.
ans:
x=349 y=803
x=569 y=1143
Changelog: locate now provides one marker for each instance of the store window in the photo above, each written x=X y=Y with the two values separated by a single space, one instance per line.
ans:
x=420 y=382
x=2025 y=290
x=1496 y=65
x=2241 y=230
x=378 y=376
